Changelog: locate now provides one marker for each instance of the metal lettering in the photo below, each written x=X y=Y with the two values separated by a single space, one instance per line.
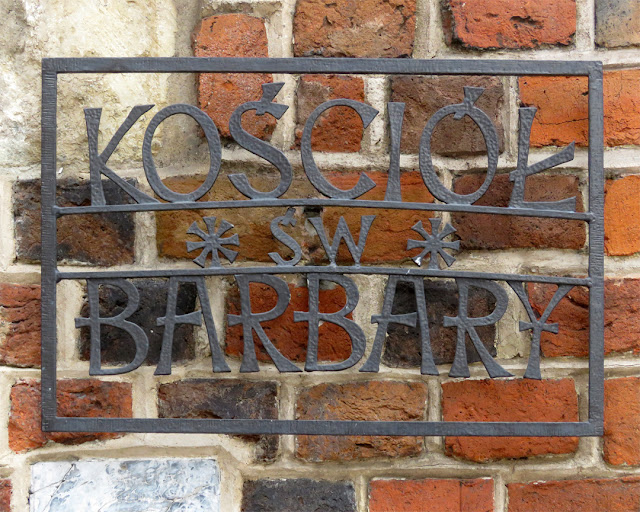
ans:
x=343 y=233
x=289 y=241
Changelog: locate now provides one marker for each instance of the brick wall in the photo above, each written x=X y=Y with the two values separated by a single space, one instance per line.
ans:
x=308 y=473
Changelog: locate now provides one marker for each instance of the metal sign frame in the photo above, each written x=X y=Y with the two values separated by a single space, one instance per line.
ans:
x=51 y=275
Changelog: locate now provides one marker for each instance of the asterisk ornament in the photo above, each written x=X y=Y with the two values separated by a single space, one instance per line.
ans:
x=434 y=244
x=213 y=242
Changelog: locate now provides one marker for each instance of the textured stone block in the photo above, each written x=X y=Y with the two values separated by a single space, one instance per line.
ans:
x=100 y=239
x=300 y=494
x=509 y=400
x=425 y=95
x=117 y=345
x=338 y=129
x=617 y=23
x=20 y=325
x=155 y=485
x=87 y=398
x=485 y=24
x=372 y=400
x=612 y=495
x=440 y=495
x=402 y=346
x=225 y=399
x=367 y=28
x=219 y=94
x=484 y=231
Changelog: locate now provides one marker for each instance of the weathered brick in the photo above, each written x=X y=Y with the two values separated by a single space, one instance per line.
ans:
x=219 y=94
x=562 y=104
x=5 y=495
x=622 y=216
x=621 y=331
x=224 y=399
x=372 y=400
x=485 y=231
x=402 y=346
x=612 y=495
x=117 y=346
x=338 y=129
x=290 y=337
x=251 y=224
x=367 y=28
x=299 y=494
x=86 y=398
x=100 y=239
x=510 y=400
x=425 y=95
x=617 y=23
x=622 y=421
x=440 y=495
x=486 y=24
x=20 y=325
x=387 y=238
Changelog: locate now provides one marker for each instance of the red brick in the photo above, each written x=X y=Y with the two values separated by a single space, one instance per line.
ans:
x=372 y=400
x=440 y=495
x=5 y=496
x=622 y=421
x=621 y=330
x=251 y=224
x=20 y=324
x=610 y=495
x=290 y=337
x=219 y=94
x=509 y=400
x=387 y=239
x=87 y=398
x=484 y=231
x=423 y=96
x=507 y=24
x=367 y=28
x=339 y=129
x=562 y=104
x=622 y=216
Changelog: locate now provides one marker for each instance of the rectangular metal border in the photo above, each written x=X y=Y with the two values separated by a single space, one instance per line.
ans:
x=593 y=70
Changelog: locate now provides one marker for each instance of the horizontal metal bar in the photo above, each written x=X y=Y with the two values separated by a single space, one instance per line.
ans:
x=229 y=271
x=351 y=203
x=319 y=65
x=322 y=427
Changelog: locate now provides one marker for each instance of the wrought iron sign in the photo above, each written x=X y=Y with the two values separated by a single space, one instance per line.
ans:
x=215 y=251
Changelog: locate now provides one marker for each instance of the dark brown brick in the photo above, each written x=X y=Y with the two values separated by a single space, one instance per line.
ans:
x=299 y=495
x=425 y=95
x=224 y=399
x=117 y=346
x=100 y=239
x=485 y=231
x=402 y=346
x=371 y=400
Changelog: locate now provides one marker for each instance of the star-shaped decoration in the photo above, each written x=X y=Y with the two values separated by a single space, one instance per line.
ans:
x=213 y=242
x=434 y=244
